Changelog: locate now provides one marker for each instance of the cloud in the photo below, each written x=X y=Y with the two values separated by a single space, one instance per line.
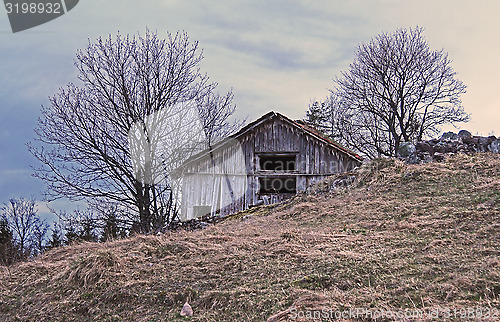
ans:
x=275 y=54
x=280 y=35
x=43 y=208
x=46 y=209
x=15 y=172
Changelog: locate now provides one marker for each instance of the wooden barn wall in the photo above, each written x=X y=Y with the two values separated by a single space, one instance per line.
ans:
x=209 y=187
x=314 y=156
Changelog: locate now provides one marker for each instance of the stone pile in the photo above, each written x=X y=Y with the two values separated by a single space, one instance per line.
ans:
x=448 y=144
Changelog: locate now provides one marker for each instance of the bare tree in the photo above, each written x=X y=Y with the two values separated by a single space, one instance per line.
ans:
x=21 y=214
x=396 y=90
x=113 y=139
x=215 y=116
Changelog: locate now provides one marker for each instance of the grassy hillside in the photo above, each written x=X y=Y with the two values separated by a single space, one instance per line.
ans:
x=399 y=236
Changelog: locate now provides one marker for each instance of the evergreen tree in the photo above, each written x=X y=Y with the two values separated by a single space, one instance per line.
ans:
x=55 y=238
x=110 y=230
x=5 y=231
x=8 y=249
x=88 y=229
x=71 y=235
x=316 y=115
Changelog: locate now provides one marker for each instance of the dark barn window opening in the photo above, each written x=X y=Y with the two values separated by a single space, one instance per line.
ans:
x=277 y=185
x=278 y=162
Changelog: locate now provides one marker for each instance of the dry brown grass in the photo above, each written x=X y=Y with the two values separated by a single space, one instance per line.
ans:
x=402 y=236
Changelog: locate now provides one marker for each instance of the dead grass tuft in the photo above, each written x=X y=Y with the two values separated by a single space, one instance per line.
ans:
x=92 y=269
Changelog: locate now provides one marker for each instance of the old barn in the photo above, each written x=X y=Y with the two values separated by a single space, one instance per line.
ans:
x=265 y=162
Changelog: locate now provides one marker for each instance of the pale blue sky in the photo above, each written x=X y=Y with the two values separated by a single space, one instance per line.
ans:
x=276 y=55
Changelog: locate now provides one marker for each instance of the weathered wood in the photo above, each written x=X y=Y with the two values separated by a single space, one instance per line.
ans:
x=226 y=179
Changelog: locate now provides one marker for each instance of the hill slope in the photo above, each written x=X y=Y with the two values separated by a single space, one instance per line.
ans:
x=399 y=236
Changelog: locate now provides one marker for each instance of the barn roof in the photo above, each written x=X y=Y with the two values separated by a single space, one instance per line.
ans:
x=298 y=124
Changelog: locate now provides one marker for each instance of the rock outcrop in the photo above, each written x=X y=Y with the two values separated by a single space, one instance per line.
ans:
x=448 y=144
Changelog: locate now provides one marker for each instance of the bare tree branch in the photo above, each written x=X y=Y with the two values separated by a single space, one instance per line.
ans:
x=127 y=83
x=21 y=214
x=396 y=90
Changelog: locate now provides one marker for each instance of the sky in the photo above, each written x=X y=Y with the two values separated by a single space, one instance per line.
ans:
x=274 y=55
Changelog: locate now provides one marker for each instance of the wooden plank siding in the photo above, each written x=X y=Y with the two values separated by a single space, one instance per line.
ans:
x=227 y=177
